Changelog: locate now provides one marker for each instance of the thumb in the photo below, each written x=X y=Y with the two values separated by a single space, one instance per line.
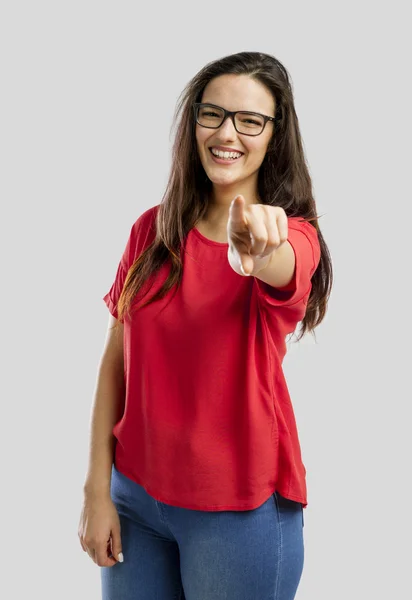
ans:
x=116 y=545
x=246 y=264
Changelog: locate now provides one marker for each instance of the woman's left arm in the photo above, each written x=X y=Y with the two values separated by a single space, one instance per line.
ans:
x=258 y=242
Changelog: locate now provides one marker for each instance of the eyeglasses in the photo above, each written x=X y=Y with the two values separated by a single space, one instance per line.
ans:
x=245 y=122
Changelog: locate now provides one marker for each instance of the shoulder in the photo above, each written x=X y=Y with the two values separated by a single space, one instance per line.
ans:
x=142 y=233
x=146 y=219
x=145 y=224
x=300 y=224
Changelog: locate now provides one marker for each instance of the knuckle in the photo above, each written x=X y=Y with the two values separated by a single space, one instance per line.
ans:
x=260 y=239
x=103 y=561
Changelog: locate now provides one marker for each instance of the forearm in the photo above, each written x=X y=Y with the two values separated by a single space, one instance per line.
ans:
x=277 y=269
x=107 y=408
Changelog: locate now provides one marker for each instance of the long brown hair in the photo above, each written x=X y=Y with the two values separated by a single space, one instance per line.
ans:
x=283 y=180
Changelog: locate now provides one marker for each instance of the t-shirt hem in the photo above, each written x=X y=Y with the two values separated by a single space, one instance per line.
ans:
x=211 y=507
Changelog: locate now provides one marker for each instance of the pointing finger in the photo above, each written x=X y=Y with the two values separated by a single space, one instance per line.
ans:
x=237 y=211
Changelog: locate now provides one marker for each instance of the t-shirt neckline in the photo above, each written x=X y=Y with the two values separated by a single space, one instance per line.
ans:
x=208 y=241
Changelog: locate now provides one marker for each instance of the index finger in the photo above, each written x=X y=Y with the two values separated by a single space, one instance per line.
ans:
x=237 y=211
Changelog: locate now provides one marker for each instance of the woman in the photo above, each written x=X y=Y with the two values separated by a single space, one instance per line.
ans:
x=196 y=485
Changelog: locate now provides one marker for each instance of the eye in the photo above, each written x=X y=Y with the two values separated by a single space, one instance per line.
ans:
x=209 y=113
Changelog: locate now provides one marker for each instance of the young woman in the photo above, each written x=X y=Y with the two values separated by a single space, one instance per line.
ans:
x=196 y=485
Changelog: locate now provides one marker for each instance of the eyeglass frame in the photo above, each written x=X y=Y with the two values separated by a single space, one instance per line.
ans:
x=231 y=114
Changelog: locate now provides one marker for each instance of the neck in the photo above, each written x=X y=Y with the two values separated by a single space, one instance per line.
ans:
x=221 y=197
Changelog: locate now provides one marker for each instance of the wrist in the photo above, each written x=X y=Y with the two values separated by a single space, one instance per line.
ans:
x=96 y=489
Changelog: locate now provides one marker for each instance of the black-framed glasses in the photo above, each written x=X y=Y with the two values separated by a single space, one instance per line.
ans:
x=245 y=122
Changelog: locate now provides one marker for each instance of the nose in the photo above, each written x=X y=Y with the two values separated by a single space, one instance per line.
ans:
x=227 y=129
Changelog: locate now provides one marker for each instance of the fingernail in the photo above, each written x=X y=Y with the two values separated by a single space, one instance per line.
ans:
x=120 y=557
x=246 y=274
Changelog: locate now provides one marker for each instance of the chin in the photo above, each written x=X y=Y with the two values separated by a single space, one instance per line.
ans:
x=224 y=180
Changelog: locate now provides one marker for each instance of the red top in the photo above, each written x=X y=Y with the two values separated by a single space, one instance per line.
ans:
x=208 y=422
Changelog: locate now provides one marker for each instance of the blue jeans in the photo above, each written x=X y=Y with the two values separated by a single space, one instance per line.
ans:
x=173 y=553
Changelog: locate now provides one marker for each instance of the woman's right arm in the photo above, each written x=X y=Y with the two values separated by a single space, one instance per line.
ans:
x=99 y=527
x=107 y=409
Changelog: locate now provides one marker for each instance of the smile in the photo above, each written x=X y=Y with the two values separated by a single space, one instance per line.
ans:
x=225 y=160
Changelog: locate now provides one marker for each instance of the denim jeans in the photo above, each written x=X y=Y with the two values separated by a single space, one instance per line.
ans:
x=173 y=553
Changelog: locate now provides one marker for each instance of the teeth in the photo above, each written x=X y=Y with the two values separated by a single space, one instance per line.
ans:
x=221 y=154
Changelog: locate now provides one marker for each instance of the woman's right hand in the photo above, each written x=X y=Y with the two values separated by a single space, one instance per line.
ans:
x=99 y=530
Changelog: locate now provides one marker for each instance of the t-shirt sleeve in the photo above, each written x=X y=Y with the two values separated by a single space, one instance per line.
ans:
x=113 y=295
x=303 y=238
x=141 y=235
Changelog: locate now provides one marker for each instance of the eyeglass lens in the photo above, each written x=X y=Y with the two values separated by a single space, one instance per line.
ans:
x=210 y=116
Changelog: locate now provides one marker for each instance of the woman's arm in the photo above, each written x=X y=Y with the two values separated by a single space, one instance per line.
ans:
x=107 y=409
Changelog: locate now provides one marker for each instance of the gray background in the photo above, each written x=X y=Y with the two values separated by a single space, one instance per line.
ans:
x=88 y=90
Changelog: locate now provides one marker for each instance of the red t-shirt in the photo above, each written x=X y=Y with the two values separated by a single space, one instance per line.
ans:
x=208 y=422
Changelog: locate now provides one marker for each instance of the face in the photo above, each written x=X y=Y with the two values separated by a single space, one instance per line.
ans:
x=235 y=92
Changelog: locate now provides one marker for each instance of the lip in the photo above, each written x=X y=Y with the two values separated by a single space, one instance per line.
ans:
x=226 y=149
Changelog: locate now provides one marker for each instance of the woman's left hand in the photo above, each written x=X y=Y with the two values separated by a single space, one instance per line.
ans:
x=254 y=232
